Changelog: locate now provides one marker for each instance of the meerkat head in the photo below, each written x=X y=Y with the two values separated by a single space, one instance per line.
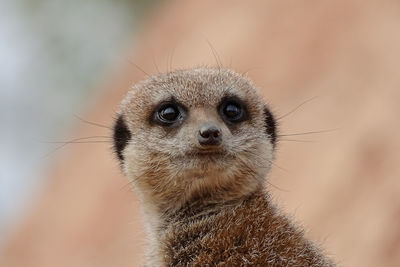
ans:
x=196 y=133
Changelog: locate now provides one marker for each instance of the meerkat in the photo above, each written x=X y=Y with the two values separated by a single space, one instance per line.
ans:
x=197 y=145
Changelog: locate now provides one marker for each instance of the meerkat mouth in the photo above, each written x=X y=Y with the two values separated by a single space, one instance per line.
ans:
x=209 y=157
x=199 y=157
x=211 y=152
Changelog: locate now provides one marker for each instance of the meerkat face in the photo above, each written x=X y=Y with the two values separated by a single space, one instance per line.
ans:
x=194 y=132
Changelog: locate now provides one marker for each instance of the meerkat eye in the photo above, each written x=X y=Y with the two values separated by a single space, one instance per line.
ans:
x=168 y=114
x=233 y=111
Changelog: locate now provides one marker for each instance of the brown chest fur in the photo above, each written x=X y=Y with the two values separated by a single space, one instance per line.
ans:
x=248 y=232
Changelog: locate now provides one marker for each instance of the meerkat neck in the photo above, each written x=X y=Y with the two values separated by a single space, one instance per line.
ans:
x=160 y=212
x=203 y=206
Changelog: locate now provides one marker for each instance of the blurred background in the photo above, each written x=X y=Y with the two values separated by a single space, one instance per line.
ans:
x=55 y=55
x=67 y=64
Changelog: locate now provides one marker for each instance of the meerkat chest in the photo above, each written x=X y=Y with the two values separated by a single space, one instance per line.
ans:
x=225 y=236
x=252 y=234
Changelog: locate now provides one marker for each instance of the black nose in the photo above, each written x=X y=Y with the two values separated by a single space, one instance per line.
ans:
x=209 y=135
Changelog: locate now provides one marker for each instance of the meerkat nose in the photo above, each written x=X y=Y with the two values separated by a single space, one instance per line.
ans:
x=209 y=135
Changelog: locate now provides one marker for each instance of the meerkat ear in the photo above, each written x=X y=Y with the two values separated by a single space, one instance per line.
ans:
x=270 y=125
x=121 y=136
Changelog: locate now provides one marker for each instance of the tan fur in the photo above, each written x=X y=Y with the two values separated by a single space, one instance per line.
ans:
x=207 y=210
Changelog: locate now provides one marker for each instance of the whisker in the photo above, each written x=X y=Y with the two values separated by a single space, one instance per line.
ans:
x=296 y=108
x=131 y=182
x=269 y=161
x=297 y=140
x=277 y=187
x=215 y=54
x=77 y=139
x=139 y=68
x=92 y=123
x=171 y=57
x=268 y=182
x=246 y=71
x=73 y=141
x=155 y=64
x=311 y=132
x=78 y=142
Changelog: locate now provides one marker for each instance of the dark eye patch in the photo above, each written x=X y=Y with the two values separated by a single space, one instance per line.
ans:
x=270 y=125
x=121 y=136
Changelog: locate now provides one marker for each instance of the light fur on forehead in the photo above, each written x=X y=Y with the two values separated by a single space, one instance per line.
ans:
x=194 y=87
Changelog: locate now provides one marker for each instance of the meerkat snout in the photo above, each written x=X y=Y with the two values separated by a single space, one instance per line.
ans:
x=209 y=135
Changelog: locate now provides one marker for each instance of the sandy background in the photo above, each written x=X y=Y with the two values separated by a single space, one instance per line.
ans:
x=344 y=186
